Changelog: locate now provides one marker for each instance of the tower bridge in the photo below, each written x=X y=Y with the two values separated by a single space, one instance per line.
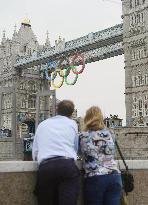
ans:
x=24 y=91
x=95 y=46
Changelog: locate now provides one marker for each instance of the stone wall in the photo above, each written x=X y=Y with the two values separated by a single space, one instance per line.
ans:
x=10 y=149
x=17 y=181
x=133 y=142
x=6 y=149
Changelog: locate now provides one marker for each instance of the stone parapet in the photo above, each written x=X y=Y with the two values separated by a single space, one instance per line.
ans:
x=133 y=142
x=17 y=181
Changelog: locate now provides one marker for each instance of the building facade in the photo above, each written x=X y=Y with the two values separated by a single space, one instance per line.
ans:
x=135 y=42
x=19 y=90
x=113 y=121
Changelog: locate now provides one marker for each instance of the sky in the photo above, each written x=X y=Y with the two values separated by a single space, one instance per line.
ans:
x=102 y=83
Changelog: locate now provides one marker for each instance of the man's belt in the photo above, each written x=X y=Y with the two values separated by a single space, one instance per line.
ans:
x=54 y=158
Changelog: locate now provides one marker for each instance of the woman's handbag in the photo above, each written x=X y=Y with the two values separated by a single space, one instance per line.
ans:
x=127 y=177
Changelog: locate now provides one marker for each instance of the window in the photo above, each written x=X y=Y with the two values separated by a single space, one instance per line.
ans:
x=21 y=86
x=146 y=110
x=142 y=17
x=23 y=103
x=25 y=49
x=137 y=3
x=135 y=81
x=138 y=18
x=31 y=103
x=113 y=123
x=140 y=105
x=130 y=4
x=132 y=20
x=140 y=79
x=145 y=79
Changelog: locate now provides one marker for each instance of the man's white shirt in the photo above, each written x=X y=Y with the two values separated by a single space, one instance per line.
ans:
x=56 y=136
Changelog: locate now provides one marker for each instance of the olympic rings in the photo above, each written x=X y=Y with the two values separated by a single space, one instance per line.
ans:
x=76 y=57
x=59 y=84
x=51 y=65
x=68 y=71
x=53 y=69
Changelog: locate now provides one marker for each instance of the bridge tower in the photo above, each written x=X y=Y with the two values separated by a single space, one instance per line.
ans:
x=135 y=42
x=19 y=90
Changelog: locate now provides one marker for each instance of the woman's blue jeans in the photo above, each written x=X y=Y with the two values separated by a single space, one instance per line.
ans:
x=103 y=190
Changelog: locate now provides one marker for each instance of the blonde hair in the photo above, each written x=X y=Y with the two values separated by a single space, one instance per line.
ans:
x=93 y=119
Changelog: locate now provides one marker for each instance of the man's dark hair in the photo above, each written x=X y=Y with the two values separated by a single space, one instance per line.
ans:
x=65 y=108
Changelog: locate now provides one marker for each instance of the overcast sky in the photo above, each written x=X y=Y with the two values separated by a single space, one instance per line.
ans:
x=102 y=83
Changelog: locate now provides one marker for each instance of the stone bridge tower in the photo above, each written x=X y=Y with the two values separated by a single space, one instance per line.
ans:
x=18 y=89
x=135 y=42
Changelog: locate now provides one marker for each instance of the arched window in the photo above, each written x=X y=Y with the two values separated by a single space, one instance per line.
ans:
x=23 y=103
x=135 y=16
x=132 y=20
x=34 y=87
x=137 y=2
x=140 y=105
x=138 y=18
x=140 y=79
x=135 y=81
x=146 y=109
x=145 y=79
x=25 y=49
x=139 y=54
x=142 y=17
x=31 y=103
x=131 y=4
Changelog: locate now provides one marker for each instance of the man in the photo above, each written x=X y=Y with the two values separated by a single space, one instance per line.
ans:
x=55 y=148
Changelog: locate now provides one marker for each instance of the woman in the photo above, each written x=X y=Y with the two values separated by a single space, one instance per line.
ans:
x=102 y=178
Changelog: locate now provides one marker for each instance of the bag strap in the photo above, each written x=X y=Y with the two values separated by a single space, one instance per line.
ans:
x=121 y=155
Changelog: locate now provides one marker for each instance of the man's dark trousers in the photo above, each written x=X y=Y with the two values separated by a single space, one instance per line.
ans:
x=58 y=182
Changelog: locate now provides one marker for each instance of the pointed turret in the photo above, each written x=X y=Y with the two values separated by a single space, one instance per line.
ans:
x=47 y=43
x=4 y=36
x=14 y=33
x=26 y=22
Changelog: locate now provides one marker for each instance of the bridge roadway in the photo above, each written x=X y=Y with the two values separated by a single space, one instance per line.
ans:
x=95 y=46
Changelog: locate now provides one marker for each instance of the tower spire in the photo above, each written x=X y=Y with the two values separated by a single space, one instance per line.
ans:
x=26 y=22
x=14 y=33
x=47 y=43
x=4 y=36
x=15 y=28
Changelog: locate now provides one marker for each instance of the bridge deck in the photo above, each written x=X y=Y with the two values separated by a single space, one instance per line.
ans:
x=95 y=46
